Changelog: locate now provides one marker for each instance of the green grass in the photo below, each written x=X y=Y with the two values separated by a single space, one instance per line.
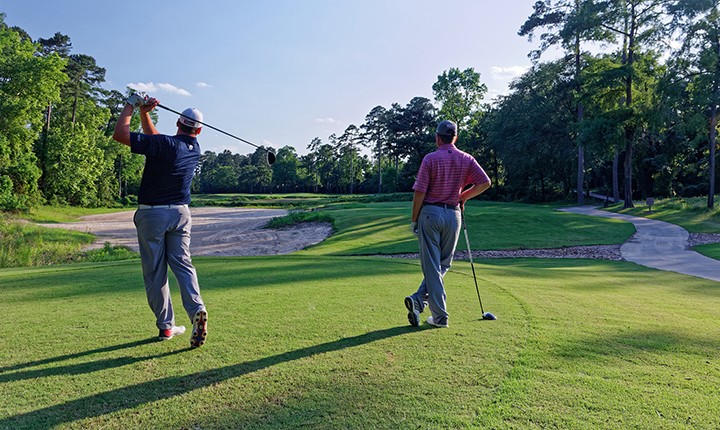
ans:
x=29 y=245
x=322 y=342
x=292 y=201
x=57 y=214
x=298 y=217
x=711 y=250
x=24 y=245
x=689 y=213
x=384 y=228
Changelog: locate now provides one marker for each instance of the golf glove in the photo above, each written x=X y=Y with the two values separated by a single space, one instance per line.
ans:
x=413 y=228
x=135 y=100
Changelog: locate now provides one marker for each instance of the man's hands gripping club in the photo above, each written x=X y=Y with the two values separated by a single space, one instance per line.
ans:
x=145 y=104
x=136 y=100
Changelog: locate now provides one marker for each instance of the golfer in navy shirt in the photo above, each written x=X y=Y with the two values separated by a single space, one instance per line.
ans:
x=163 y=218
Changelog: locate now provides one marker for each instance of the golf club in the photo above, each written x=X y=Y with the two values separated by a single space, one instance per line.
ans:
x=270 y=155
x=485 y=315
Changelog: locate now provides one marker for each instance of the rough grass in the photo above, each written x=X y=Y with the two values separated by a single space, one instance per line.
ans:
x=24 y=245
x=298 y=217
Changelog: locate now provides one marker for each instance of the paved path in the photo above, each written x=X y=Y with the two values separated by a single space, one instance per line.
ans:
x=659 y=245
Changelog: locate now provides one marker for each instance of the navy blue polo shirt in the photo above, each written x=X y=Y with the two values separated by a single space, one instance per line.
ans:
x=170 y=163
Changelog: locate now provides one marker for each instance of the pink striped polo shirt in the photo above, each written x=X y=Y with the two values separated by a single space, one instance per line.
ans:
x=445 y=172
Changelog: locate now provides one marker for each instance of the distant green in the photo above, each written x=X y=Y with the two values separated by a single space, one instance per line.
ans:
x=384 y=228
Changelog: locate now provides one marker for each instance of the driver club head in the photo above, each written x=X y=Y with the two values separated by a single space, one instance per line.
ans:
x=489 y=316
x=270 y=158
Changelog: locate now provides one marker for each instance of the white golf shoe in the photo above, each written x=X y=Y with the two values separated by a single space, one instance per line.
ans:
x=169 y=333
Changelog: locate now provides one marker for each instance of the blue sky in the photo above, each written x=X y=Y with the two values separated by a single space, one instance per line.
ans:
x=281 y=72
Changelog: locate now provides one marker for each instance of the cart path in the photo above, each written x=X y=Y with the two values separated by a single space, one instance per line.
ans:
x=659 y=245
x=215 y=231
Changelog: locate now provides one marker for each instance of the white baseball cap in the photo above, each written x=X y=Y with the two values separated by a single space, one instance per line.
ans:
x=191 y=117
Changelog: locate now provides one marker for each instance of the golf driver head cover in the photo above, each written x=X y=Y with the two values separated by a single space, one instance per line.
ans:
x=136 y=100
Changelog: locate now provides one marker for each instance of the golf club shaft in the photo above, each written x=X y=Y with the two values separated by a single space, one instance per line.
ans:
x=210 y=126
x=472 y=265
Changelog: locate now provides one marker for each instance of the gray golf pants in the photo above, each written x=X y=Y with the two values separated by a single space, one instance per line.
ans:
x=438 y=230
x=164 y=239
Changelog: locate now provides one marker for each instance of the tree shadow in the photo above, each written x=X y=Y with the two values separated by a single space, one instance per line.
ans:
x=159 y=389
x=82 y=368
x=76 y=355
x=634 y=342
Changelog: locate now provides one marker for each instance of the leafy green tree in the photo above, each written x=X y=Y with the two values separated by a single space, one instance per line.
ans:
x=308 y=169
x=375 y=133
x=346 y=147
x=411 y=131
x=57 y=44
x=697 y=66
x=285 y=170
x=27 y=82
x=84 y=77
x=569 y=23
x=459 y=94
x=639 y=24
x=74 y=168
x=530 y=129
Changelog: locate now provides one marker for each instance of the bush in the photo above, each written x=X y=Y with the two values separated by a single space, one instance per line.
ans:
x=297 y=217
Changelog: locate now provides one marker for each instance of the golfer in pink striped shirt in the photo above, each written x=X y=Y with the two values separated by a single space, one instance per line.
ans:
x=447 y=178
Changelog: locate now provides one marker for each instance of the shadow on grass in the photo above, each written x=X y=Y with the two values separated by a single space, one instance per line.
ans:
x=77 y=355
x=159 y=389
x=82 y=368
x=635 y=342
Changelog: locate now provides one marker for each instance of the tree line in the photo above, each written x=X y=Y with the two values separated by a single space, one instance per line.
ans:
x=628 y=109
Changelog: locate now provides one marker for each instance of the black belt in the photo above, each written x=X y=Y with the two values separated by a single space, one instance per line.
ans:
x=443 y=205
x=161 y=206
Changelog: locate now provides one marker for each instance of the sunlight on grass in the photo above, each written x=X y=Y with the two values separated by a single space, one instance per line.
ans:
x=383 y=228
x=323 y=342
x=319 y=341
x=689 y=213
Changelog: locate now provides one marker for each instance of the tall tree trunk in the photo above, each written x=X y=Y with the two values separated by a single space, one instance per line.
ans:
x=44 y=148
x=379 y=168
x=352 y=172
x=711 y=165
x=712 y=140
x=74 y=110
x=627 y=168
x=581 y=150
x=615 y=176
x=628 y=103
x=581 y=163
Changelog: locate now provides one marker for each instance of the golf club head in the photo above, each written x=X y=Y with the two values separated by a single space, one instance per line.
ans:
x=489 y=316
x=270 y=158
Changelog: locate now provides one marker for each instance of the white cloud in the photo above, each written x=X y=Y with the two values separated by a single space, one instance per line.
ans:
x=505 y=73
x=203 y=85
x=152 y=87
x=326 y=120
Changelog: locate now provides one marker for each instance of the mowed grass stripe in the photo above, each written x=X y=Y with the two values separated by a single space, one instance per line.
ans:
x=323 y=342
x=335 y=340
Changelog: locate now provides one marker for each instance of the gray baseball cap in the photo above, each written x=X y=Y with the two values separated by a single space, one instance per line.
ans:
x=447 y=128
